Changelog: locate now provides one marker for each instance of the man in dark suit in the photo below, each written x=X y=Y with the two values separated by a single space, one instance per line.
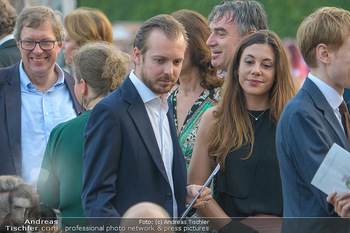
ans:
x=35 y=94
x=311 y=121
x=131 y=151
x=8 y=48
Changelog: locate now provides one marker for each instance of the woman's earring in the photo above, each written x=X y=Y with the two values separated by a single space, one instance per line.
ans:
x=82 y=105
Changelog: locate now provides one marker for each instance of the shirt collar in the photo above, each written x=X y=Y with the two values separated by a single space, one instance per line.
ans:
x=27 y=84
x=146 y=94
x=6 y=38
x=331 y=95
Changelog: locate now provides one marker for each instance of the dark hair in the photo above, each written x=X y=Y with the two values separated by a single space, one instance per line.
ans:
x=198 y=33
x=166 y=23
x=247 y=15
x=8 y=18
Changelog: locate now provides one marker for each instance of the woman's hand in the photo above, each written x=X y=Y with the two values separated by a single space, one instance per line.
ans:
x=202 y=201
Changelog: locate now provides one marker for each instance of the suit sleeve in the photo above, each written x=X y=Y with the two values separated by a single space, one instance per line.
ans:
x=101 y=160
x=307 y=144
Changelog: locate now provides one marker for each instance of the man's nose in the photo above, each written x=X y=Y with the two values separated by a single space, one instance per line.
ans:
x=169 y=69
x=37 y=48
x=211 y=41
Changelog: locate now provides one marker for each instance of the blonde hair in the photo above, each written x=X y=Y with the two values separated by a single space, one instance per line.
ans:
x=326 y=25
x=34 y=17
x=88 y=24
x=232 y=127
x=102 y=66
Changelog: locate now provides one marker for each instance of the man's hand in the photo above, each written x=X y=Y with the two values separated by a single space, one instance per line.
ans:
x=341 y=203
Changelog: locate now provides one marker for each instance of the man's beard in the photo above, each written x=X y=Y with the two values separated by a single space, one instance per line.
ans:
x=151 y=85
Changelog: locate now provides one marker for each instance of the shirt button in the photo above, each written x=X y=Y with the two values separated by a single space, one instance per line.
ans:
x=168 y=196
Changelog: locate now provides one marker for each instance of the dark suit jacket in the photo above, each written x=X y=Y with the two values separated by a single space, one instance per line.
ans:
x=9 y=53
x=10 y=118
x=306 y=131
x=122 y=161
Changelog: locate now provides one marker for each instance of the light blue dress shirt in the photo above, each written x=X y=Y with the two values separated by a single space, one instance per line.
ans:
x=40 y=114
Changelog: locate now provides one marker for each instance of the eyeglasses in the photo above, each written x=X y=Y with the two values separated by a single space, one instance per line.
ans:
x=44 y=45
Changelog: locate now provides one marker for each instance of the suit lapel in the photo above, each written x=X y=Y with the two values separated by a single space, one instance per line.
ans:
x=177 y=152
x=13 y=115
x=138 y=114
x=179 y=165
x=322 y=104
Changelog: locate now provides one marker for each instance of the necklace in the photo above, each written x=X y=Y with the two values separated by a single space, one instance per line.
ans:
x=257 y=118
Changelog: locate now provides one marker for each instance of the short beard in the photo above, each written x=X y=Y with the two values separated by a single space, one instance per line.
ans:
x=158 y=91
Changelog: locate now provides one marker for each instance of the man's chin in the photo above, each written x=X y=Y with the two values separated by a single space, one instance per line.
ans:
x=217 y=64
x=163 y=90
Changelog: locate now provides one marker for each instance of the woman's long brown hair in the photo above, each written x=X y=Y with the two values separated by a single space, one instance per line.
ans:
x=232 y=127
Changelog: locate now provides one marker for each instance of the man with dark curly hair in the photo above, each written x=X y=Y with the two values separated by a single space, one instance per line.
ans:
x=8 y=49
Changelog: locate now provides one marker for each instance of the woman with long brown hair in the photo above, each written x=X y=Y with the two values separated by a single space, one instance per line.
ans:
x=199 y=85
x=239 y=133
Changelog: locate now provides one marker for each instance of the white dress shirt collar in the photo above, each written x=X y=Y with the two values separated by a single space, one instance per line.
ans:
x=331 y=95
x=6 y=38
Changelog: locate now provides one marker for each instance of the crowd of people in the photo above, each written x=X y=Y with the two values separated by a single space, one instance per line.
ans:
x=98 y=141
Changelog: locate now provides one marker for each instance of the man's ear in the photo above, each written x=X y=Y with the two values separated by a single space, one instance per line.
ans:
x=137 y=56
x=249 y=33
x=323 y=54
x=60 y=44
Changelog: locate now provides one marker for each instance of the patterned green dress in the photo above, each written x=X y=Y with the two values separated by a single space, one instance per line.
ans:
x=187 y=134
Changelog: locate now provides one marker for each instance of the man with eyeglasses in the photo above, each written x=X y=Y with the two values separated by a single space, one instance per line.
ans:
x=35 y=94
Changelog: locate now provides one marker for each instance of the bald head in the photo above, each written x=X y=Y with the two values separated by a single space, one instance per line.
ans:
x=139 y=214
x=146 y=210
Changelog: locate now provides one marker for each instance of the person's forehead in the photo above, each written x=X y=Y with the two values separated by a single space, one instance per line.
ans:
x=224 y=23
x=46 y=26
x=21 y=201
x=44 y=30
x=264 y=51
x=158 y=41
